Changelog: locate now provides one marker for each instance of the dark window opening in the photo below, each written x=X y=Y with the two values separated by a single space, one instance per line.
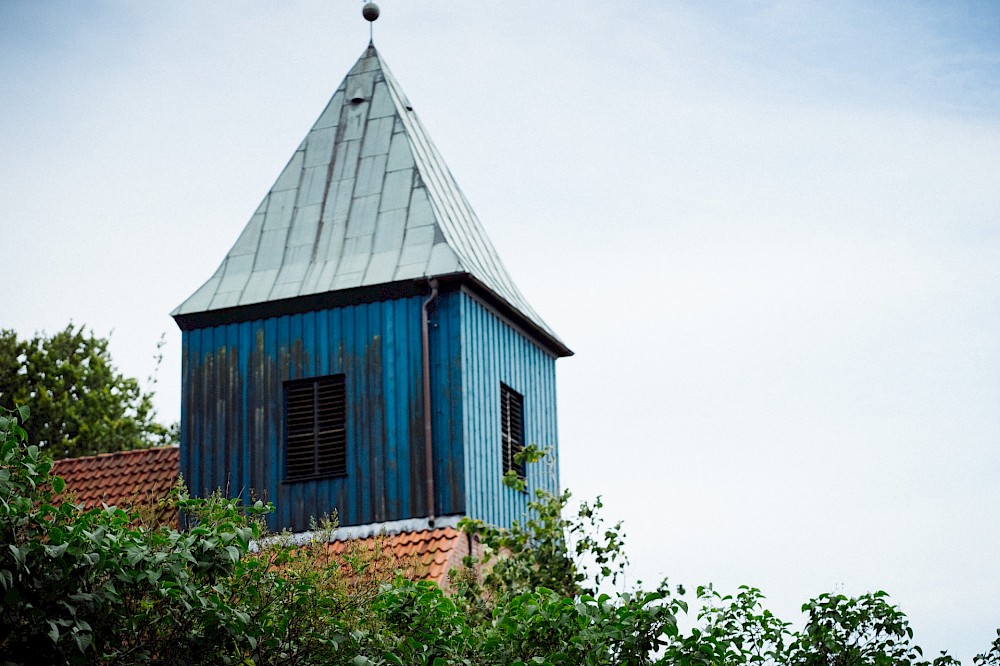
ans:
x=511 y=428
x=315 y=428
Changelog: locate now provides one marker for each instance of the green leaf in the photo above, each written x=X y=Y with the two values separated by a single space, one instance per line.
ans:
x=23 y=412
x=83 y=640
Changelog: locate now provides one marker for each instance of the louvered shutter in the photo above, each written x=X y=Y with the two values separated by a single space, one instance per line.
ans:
x=315 y=427
x=511 y=428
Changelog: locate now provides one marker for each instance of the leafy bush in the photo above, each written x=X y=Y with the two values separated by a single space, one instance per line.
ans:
x=95 y=586
x=100 y=587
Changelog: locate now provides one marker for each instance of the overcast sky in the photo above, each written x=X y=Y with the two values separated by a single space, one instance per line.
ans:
x=769 y=230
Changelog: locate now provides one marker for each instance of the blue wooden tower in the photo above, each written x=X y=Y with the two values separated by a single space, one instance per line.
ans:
x=362 y=347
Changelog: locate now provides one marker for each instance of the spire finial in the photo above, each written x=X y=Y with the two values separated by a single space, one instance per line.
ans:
x=370 y=12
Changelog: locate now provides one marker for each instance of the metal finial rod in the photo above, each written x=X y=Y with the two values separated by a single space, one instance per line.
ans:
x=370 y=11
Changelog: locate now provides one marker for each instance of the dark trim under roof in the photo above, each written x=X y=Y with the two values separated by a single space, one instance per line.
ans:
x=379 y=292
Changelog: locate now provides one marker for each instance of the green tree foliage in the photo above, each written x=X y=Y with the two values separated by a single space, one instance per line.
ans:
x=100 y=586
x=840 y=631
x=80 y=403
x=97 y=587
x=570 y=556
x=992 y=656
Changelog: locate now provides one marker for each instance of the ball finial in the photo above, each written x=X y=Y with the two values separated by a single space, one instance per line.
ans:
x=370 y=11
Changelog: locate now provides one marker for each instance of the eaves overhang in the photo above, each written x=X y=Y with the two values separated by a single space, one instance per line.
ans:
x=447 y=283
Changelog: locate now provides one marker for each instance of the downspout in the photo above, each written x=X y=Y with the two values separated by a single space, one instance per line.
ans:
x=428 y=432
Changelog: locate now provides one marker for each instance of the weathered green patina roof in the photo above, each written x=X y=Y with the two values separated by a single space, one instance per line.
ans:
x=365 y=200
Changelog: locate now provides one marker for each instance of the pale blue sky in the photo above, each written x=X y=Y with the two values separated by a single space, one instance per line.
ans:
x=770 y=231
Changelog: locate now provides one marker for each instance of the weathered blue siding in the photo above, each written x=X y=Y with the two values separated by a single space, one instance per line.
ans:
x=232 y=422
x=494 y=352
x=448 y=403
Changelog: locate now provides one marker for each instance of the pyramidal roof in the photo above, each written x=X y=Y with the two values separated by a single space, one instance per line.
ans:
x=365 y=200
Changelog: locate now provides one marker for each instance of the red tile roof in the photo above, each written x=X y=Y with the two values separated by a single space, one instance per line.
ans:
x=145 y=476
x=126 y=478
x=422 y=555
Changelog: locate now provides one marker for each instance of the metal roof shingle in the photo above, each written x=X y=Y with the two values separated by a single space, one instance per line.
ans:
x=365 y=199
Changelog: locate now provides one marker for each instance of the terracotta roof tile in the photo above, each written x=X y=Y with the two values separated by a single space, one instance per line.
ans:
x=124 y=478
x=147 y=475
x=423 y=555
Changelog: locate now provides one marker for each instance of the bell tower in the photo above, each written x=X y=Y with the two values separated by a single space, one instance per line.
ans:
x=362 y=347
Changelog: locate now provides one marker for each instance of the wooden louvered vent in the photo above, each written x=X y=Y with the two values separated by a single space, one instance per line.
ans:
x=315 y=427
x=511 y=428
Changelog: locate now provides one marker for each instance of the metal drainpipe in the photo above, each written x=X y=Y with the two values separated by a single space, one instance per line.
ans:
x=428 y=432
